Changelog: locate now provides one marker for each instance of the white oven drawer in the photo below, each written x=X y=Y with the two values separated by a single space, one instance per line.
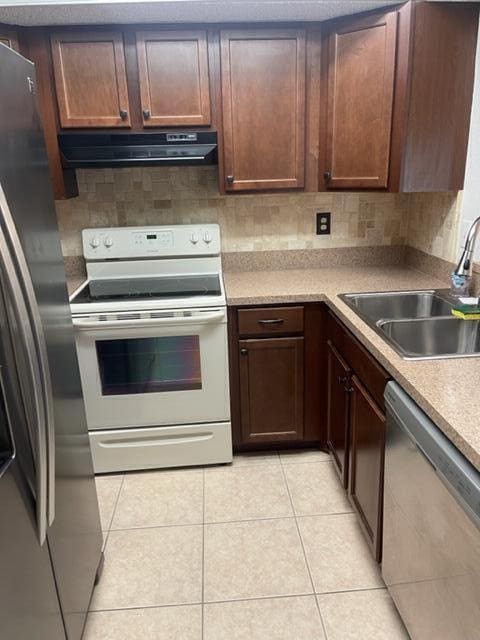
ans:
x=161 y=447
x=154 y=371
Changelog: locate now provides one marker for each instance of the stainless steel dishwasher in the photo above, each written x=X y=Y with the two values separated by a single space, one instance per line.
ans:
x=431 y=535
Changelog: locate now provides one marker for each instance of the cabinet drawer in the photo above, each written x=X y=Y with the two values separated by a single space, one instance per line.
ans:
x=373 y=376
x=270 y=321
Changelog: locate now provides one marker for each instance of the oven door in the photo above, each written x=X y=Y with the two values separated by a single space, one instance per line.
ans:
x=154 y=368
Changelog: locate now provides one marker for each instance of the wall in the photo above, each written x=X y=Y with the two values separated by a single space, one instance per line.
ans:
x=433 y=223
x=156 y=196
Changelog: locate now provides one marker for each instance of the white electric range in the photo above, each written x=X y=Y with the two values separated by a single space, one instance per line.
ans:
x=151 y=333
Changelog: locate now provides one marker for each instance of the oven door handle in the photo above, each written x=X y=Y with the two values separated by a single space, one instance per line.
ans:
x=86 y=324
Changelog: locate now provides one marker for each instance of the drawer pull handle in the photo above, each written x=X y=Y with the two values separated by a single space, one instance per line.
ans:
x=342 y=380
x=243 y=352
x=272 y=321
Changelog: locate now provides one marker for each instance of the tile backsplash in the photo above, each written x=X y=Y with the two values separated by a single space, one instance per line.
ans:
x=434 y=223
x=260 y=222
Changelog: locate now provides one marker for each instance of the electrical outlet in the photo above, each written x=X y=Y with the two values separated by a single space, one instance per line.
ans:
x=323 y=223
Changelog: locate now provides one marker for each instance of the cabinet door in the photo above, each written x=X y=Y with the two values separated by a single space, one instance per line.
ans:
x=263 y=96
x=271 y=389
x=337 y=418
x=173 y=73
x=361 y=70
x=90 y=79
x=367 y=453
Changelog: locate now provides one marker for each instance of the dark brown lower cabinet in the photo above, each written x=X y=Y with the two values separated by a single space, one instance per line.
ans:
x=278 y=375
x=271 y=389
x=367 y=454
x=338 y=410
x=356 y=426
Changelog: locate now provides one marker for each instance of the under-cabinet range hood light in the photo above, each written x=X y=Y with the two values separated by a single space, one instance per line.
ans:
x=90 y=150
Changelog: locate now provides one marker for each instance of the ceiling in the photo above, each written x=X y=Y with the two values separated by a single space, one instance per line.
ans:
x=53 y=12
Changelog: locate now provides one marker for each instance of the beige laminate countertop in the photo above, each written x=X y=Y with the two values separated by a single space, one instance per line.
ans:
x=447 y=390
x=74 y=283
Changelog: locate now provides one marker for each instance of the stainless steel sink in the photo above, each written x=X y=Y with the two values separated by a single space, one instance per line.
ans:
x=398 y=305
x=433 y=337
x=417 y=324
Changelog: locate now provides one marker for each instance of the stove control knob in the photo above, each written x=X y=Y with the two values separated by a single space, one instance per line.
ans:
x=207 y=238
x=94 y=243
x=194 y=238
x=108 y=242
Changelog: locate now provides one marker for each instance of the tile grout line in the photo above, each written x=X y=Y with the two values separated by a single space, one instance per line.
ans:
x=104 y=545
x=113 y=512
x=245 y=599
x=304 y=553
x=149 y=606
x=215 y=522
x=322 y=621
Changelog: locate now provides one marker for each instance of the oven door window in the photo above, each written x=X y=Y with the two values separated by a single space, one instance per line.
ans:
x=149 y=365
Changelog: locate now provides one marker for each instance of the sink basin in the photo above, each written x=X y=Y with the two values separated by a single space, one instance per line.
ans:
x=397 y=305
x=433 y=337
x=418 y=324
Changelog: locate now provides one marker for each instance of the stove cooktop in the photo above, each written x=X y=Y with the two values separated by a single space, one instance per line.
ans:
x=165 y=287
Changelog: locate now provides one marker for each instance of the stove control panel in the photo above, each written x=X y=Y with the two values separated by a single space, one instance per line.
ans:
x=147 y=242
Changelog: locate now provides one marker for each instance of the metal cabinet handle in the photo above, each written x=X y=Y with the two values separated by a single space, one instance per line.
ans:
x=349 y=389
x=123 y=114
x=38 y=396
x=342 y=380
x=243 y=352
x=146 y=114
x=230 y=179
x=272 y=321
x=327 y=176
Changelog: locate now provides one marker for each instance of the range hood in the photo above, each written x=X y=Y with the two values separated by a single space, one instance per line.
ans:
x=90 y=150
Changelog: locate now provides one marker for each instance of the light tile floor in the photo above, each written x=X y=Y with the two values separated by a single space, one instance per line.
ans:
x=265 y=549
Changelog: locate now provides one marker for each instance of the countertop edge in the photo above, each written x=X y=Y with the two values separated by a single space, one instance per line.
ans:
x=386 y=358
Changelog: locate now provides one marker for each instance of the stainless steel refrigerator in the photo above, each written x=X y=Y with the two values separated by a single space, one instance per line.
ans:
x=50 y=533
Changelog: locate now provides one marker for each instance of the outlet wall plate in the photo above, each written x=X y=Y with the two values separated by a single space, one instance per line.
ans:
x=323 y=223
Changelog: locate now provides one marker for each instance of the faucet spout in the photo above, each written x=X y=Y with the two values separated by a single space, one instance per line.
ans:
x=465 y=264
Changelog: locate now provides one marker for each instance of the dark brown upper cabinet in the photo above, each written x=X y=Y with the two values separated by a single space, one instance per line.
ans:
x=360 y=102
x=432 y=123
x=90 y=79
x=396 y=102
x=173 y=76
x=263 y=98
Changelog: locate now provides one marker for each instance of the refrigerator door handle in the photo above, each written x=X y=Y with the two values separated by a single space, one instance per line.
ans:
x=4 y=467
x=39 y=395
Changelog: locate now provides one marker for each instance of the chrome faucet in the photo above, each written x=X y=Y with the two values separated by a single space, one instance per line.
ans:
x=462 y=275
